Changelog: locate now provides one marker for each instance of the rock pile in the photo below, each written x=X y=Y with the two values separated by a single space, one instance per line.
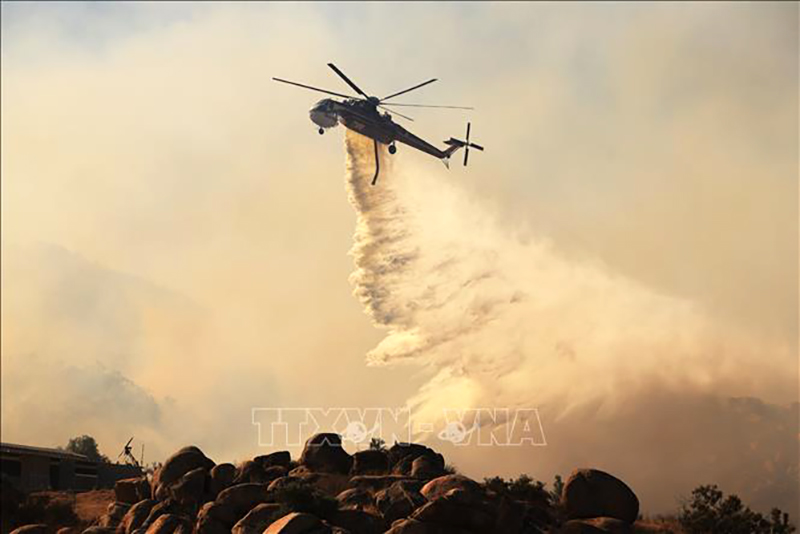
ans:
x=403 y=490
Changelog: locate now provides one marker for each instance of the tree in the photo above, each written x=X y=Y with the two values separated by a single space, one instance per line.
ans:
x=377 y=444
x=87 y=446
x=708 y=510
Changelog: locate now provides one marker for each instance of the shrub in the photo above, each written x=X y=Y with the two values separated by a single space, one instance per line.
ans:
x=377 y=444
x=709 y=511
x=297 y=496
x=540 y=514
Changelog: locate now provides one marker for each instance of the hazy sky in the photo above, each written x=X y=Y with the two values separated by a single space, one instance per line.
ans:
x=176 y=234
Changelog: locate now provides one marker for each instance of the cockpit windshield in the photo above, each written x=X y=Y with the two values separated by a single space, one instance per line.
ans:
x=323 y=105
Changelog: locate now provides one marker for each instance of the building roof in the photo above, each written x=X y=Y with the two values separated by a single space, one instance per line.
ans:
x=11 y=448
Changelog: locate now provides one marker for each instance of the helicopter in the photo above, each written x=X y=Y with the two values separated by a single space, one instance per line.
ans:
x=361 y=114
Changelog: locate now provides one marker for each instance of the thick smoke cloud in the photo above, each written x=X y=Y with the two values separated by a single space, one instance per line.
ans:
x=614 y=367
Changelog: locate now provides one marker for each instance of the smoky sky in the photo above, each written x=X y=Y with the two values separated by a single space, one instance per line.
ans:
x=176 y=233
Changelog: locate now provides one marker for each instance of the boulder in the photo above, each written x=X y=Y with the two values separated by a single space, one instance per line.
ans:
x=579 y=526
x=324 y=452
x=426 y=468
x=458 y=508
x=379 y=482
x=132 y=490
x=355 y=499
x=402 y=455
x=222 y=476
x=510 y=516
x=412 y=526
x=329 y=483
x=592 y=493
x=214 y=514
x=359 y=522
x=370 y=462
x=257 y=519
x=136 y=516
x=281 y=482
x=167 y=506
x=191 y=487
x=441 y=485
x=298 y=523
x=38 y=528
x=281 y=458
x=274 y=471
x=114 y=514
x=398 y=500
x=610 y=525
x=209 y=525
x=169 y=523
x=249 y=471
x=242 y=498
x=177 y=465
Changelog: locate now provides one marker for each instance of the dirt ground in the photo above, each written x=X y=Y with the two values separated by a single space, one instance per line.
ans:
x=90 y=505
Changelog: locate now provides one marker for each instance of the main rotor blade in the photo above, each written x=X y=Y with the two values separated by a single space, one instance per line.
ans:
x=312 y=88
x=404 y=91
x=398 y=113
x=348 y=80
x=466 y=155
x=425 y=106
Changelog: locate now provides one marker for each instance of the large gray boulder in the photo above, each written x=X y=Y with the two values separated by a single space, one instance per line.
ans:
x=592 y=493
x=324 y=453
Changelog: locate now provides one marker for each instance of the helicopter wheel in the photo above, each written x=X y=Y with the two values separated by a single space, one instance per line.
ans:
x=392 y=149
x=321 y=131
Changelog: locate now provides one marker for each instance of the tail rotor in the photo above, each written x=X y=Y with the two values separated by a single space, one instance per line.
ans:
x=467 y=146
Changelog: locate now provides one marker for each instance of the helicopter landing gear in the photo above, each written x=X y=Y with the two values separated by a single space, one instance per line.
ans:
x=321 y=131
x=392 y=149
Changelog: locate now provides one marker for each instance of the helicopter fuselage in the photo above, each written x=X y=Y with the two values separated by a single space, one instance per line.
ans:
x=363 y=117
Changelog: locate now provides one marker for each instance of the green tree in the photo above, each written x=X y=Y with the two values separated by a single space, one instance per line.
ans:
x=87 y=446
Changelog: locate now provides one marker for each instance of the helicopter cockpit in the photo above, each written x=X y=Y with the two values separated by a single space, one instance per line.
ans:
x=324 y=115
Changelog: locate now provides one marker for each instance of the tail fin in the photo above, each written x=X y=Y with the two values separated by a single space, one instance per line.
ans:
x=455 y=144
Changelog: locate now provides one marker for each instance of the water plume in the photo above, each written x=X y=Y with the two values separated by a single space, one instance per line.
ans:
x=500 y=321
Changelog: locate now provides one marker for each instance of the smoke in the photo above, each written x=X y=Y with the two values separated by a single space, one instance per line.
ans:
x=499 y=321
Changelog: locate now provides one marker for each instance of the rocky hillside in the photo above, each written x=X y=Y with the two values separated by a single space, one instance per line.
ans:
x=406 y=489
